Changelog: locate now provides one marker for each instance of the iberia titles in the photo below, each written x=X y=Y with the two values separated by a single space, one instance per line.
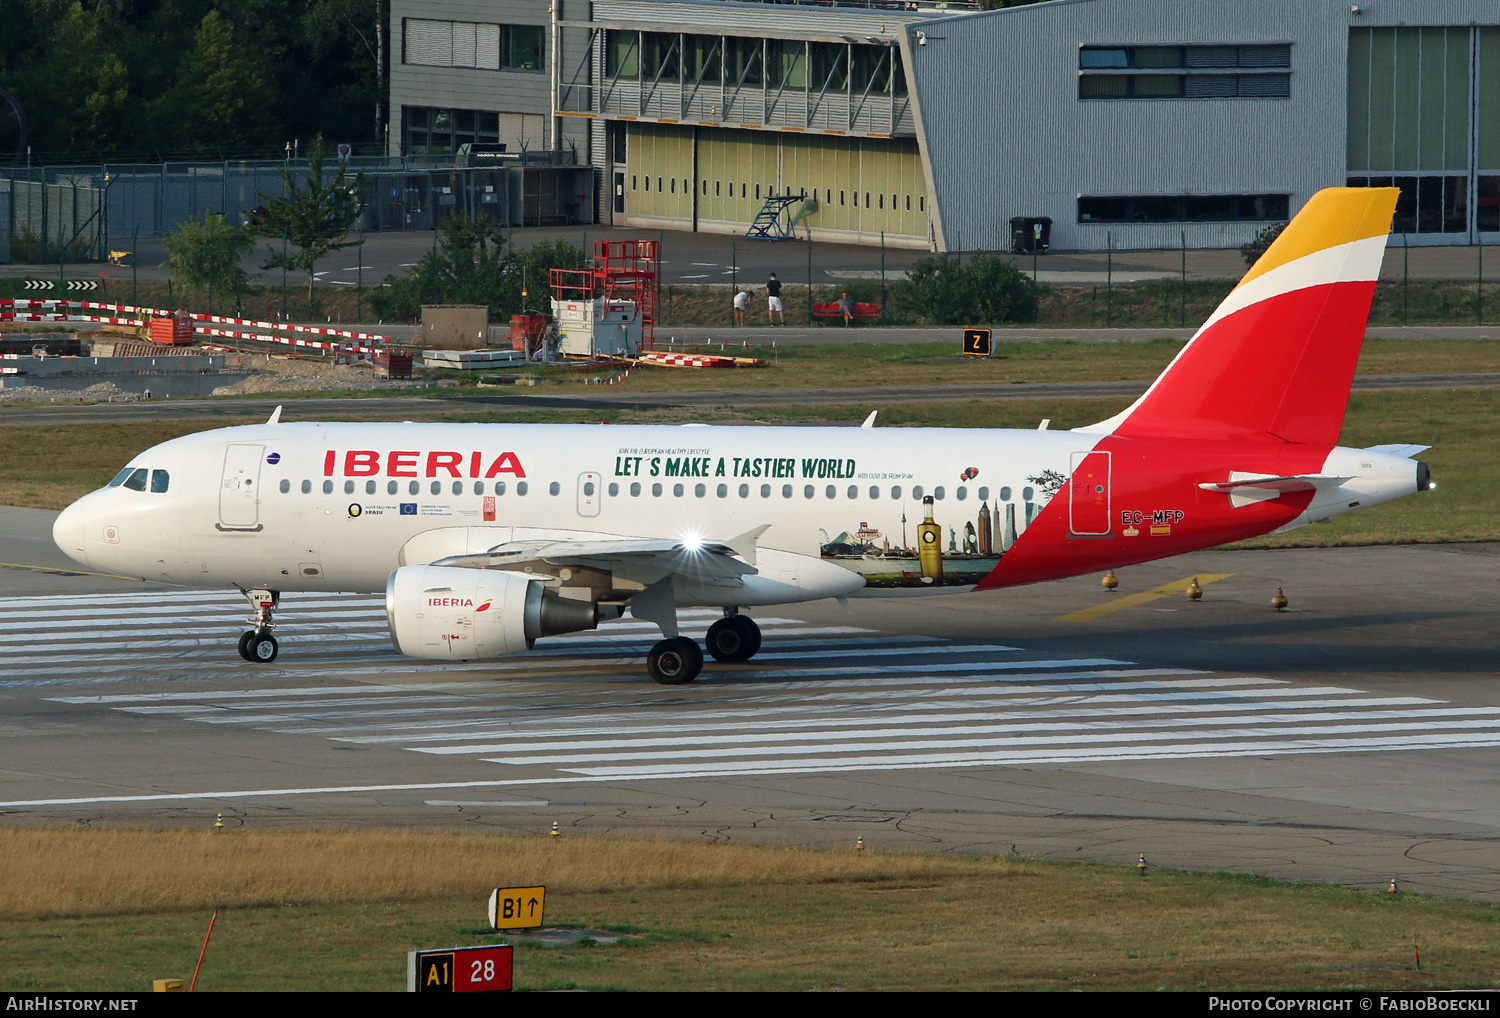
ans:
x=412 y=463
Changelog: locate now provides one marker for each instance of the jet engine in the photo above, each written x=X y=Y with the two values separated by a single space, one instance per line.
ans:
x=452 y=614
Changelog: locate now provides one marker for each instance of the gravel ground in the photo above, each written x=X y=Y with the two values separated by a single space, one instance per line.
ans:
x=280 y=374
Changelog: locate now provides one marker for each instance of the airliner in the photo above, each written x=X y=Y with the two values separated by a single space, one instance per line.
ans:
x=488 y=537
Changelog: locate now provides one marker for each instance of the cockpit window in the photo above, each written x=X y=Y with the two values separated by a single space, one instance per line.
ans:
x=159 y=481
x=120 y=477
x=137 y=479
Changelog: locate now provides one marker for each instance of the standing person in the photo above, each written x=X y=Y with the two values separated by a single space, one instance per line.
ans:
x=773 y=300
x=741 y=301
x=846 y=308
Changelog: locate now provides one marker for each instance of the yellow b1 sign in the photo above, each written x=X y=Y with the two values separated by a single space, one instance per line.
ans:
x=516 y=908
x=977 y=342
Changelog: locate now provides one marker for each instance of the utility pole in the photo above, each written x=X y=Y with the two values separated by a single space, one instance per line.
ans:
x=379 y=67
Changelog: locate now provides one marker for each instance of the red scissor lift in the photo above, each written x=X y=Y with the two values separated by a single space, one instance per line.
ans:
x=623 y=270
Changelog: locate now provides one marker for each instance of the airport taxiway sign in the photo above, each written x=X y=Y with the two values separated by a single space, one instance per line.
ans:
x=977 y=342
x=459 y=970
x=516 y=908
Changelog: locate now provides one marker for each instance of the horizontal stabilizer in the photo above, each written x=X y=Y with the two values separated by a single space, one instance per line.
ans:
x=1404 y=451
x=1247 y=488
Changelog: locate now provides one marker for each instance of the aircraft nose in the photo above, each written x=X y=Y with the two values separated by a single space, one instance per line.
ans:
x=67 y=534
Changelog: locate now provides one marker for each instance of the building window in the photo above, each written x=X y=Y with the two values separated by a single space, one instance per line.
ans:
x=1193 y=208
x=1203 y=72
x=468 y=44
x=1436 y=203
x=435 y=131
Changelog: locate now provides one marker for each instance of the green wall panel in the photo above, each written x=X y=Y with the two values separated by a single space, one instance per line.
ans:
x=869 y=185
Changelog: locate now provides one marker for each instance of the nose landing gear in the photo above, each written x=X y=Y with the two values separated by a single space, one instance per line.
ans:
x=257 y=645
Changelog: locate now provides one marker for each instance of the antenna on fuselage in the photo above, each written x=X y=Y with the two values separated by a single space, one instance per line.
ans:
x=870 y=421
x=275 y=415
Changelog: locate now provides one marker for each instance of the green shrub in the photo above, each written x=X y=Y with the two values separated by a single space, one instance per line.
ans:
x=988 y=290
x=474 y=263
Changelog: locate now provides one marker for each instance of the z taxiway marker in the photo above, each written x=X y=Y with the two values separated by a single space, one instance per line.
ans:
x=1144 y=597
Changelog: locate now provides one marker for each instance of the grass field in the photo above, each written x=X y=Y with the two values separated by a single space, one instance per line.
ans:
x=1163 y=302
x=856 y=364
x=114 y=909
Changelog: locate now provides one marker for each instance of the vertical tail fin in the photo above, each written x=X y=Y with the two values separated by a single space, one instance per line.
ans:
x=1278 y=355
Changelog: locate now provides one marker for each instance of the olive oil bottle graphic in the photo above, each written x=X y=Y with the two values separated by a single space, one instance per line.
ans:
x=930 y=545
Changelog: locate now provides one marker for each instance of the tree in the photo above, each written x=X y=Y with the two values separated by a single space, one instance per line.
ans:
x=989 y=289
x=474 y=263
x=205 y=257
x=75 y=89
x=222 y=98
x=1263 y=239
x=315 y=218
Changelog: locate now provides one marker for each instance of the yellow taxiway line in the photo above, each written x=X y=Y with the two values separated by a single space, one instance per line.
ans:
x=1115 y=604
x=63 y=571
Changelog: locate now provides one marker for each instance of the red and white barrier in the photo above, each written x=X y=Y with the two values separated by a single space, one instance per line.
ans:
x=683 y=360
x=11 y=311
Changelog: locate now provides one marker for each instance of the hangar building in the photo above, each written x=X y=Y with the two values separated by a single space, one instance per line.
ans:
x=1128 y=123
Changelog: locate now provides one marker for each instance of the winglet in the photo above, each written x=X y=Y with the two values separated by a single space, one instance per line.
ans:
x=275 y=415
x=870 y=421
x=744 y=545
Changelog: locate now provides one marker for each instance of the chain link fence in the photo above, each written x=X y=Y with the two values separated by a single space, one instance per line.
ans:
x=50 y=214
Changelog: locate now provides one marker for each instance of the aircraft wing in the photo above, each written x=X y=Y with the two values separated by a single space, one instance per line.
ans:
x=642 y=560
x=1243 y=487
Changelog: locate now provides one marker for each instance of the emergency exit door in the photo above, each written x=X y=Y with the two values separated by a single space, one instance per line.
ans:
x=589 y=494
x=1088 y=495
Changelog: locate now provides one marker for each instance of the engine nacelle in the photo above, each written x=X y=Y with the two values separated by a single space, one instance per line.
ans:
x=450 y=614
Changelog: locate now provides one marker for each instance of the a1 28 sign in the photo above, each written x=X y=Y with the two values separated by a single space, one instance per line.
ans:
x=459 y=970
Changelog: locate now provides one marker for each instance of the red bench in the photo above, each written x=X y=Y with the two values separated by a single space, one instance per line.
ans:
x=868 y=312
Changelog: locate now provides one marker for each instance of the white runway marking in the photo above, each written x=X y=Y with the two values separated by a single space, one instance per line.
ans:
x=818 y=700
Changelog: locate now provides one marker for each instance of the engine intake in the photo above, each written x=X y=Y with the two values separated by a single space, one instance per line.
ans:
x=451 y=614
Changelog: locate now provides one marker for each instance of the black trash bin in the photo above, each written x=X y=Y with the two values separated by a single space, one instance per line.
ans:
x=1030 y=233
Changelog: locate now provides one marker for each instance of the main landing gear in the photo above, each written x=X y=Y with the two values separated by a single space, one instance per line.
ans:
x=257 y=645
x=677 y=660
x=733 y=638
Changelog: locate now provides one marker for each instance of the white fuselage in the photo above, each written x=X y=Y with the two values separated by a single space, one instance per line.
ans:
x=330 y=507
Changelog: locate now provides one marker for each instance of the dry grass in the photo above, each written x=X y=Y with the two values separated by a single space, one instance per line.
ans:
x=49 y=467
x=82 y=871
x=112 y=909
